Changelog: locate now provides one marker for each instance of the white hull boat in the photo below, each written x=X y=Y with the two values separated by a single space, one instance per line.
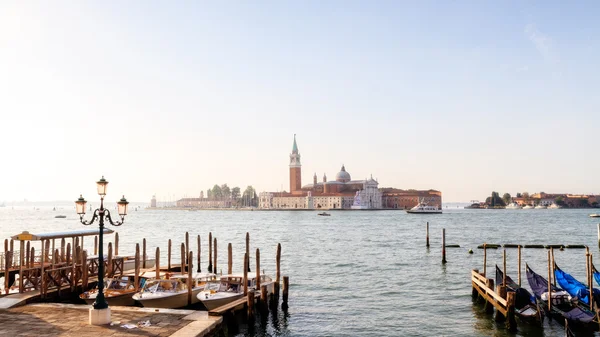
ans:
x=424 y=208
x=229 y=289
x=513 y=205
x=541 y=207
x=172 y=293
x=528 y=207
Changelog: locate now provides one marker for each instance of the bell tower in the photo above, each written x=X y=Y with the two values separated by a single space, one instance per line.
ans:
x=295 y=170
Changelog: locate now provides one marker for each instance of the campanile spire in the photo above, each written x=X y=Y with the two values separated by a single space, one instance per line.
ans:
x=295 y=170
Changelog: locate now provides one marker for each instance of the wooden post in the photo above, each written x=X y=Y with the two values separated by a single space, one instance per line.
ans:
x=31 y=263
x=73 y=267
x=68 y=258
x=587 y=263
x=157 y=263
x=21 y=258
x=511 y=322
x=257 y=269
x=278 y=270
x=27 y=254
x=519 y=258
x=443 y=245
x=501 y=291
x=187 y=248
x=599 y=235
x=12 y=252
x=427 y=235
x=488 y=307
x=84 y=270
x=62 y=250
x=42 y=276
x=55 y=256
x=210 y=267
x=229 y=259
x=96 y=245
x=504 y=270
x=169 y=256
x=549 y=285
x=47 y=252
x=144 y=256
x=109 y=267
x=484 y=260
x=7 y=267
x=552 y=257
x=183 y=257
x=264 y=295
x=250 y=299
x=591 y=286
x=245 y=274
x=199 y=250
x=136 y=276
x=191 y=282
x=248 y=250
x=215 y=257
x=286 y=289
x=116 y=243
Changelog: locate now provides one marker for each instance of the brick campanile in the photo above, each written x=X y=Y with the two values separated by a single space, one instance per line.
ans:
x=295 y=170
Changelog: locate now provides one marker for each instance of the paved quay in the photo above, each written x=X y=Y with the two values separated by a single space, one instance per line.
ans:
x=50 y=319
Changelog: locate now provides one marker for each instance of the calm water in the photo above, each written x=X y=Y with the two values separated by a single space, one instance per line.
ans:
x=359 y=273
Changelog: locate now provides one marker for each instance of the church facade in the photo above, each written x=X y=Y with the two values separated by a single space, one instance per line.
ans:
x=341 y=193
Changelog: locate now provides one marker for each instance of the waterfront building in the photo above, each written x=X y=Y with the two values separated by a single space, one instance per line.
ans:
x=393 y=198
x=153 y=201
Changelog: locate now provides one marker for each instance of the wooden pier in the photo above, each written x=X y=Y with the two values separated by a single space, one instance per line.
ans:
x=64 y=268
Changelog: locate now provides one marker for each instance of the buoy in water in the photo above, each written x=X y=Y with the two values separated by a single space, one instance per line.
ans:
x=470 y=251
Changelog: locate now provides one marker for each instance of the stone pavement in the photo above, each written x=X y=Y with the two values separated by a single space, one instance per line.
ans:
x=72 y=320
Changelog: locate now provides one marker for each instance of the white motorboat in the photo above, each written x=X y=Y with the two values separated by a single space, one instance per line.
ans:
x=528 y=207
x=513 y=205
x=172 y=293
x=595 y=215
x=423 y=208
x=540 y=206
x=554 y=206
x=229 y=289
x=117 y=291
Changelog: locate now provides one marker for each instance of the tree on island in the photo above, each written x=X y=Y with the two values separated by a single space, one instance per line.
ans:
x=519 y=195
x=506 y=198
x=217 y=193
x=583 y=203
x=249 y=197
x=226 y=192
x=235 y=195
x=526 y=197
x=560 y=201
x=495 y=200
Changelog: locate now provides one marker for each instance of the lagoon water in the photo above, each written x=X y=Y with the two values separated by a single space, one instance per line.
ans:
x=362 y=273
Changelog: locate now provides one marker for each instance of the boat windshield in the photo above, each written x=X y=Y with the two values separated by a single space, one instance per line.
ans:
x=164 y=286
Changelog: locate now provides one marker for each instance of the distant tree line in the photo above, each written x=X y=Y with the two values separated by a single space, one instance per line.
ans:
x=223 y=192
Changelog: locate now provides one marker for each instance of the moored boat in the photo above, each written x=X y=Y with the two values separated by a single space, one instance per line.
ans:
x=513 y=205
x=324 y=214
x=230 y=288
x=595 y=215
x=528 y=207
x=172 y=293
x=117 y=291
x=540 y=206
x=527 y=310
x=574 y=287
x=561 y=306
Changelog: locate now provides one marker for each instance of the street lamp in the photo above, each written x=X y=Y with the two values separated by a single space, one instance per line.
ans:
x=101 y=214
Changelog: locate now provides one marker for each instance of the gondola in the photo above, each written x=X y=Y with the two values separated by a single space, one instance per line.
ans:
x=527 y=310
x=596 y=274
x=562 y=307
x=574 y=287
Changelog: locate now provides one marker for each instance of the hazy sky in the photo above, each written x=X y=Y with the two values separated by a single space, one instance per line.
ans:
x=170 y=98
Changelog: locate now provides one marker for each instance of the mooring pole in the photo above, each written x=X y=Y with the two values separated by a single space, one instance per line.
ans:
x=591 y=286
x=427 y=235
x=549 y=285
x=519 y=253
x=504 y=266
x=199 y=248
x=484 y=259
x=599 y=235
x=210 y=267
x=443 y=245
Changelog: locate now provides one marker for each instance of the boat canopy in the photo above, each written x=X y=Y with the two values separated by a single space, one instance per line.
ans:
x=26 y=236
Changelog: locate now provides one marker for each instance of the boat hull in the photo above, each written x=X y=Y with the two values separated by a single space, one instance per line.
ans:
x=212 y=303
x=423 y=212
x=171 y=301
x=125 y=299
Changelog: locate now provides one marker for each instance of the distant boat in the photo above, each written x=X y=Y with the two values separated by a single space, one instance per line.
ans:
x=60 y=216
x=324 y=214
x=513 y=205
x=528 y=207
x=423 y=208
x=474 y=205
x=554 y=206
x=540 y=206
x=595 y=215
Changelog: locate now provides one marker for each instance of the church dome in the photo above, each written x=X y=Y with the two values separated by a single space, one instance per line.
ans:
x=343 y=176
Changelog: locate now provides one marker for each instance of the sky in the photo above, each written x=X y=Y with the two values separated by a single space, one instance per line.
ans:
x=170 y=98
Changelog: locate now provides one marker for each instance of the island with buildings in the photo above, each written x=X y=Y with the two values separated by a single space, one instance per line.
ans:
x=341 y=193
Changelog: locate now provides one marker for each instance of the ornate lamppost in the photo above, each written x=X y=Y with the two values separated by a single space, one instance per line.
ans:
x=101 y=214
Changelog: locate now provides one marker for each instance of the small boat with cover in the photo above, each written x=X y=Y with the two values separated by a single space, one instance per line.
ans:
x=526 y=309
x=561 y=307
x=574 y=287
